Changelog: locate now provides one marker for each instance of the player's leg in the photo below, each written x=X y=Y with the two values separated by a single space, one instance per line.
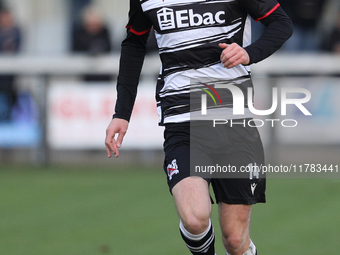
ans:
x=191 y=194
x=193 y=204
x=234 y=222
x=235 y=198
x=235 y=195
x=192 y=200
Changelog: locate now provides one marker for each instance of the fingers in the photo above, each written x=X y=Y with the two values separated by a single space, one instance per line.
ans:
x=112 y=147
x=233 y=60
x=233 y=55
x=223 y=45
x=226 y=53
x=108 y=150
x=120 y=138
x=110 y=144
x=230 y=56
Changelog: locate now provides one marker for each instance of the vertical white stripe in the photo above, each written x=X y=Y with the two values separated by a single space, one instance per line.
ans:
x=247 y=37
x=204 y=104
x=247 y=32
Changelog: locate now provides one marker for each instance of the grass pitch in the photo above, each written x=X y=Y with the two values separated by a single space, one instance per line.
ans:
x=128 y=210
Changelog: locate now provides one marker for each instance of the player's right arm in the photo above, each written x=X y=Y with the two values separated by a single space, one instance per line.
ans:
x=133 y=51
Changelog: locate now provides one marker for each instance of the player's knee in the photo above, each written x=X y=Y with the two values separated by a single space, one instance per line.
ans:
x=195 y=225
x=234 y=241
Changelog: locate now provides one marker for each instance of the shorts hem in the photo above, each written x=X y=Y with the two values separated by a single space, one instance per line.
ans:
x=242 y=201
x=173 y=183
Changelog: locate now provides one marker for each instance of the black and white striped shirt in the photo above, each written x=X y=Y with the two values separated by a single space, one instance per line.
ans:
x=188 y=33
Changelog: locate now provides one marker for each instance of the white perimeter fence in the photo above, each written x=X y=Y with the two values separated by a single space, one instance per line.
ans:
x=73 y=115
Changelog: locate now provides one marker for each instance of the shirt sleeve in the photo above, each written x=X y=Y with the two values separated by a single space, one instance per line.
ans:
x=279 y=28
x=259 y=9
x=131 y=60
x=139 y=23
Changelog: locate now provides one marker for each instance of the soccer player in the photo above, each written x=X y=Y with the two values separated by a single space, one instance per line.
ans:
x=202 y=44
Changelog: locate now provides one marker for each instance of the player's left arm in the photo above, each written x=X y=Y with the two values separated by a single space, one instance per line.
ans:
x=278 y=30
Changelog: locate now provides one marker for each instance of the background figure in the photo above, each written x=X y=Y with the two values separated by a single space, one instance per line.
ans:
x=92 y=38
x=305 y=15
x=76 y=9
x=332 y=43
x=10 y=40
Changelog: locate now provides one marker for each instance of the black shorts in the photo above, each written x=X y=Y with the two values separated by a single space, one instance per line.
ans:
x=191 y=147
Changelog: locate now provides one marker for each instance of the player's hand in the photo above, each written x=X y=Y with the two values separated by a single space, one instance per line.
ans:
x=233 y=55
x=116 y=126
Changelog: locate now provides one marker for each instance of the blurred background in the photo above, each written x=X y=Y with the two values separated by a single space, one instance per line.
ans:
x=60 y=194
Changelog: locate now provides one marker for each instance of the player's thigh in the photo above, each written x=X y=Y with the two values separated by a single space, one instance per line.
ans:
x=191 y=194
x=234 y=220
x=192 y=199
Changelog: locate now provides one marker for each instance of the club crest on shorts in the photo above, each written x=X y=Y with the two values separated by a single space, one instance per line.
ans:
x=253 y=187
x=172 y=169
